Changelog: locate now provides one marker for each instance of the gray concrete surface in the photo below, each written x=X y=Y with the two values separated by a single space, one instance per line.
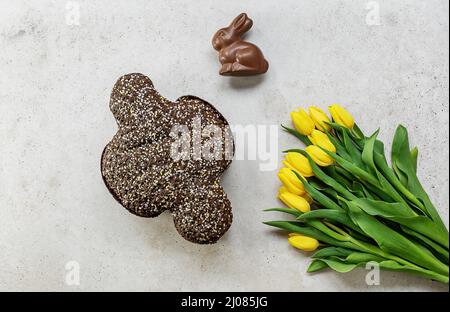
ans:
x=55 y=81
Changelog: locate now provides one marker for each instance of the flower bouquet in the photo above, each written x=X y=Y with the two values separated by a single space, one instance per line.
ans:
x=352 y=206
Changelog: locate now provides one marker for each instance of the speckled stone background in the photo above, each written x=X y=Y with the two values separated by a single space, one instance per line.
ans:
x=55 y=82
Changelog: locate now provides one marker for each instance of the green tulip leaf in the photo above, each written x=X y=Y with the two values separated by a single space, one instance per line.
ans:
x=290 y=211
x=441 y=252
x=341 y=171
x=358 y=132
x=317 y=184
x=404 y=164
x=367 y=153
x=362 y=191
x=332 y=194
x=359 y=141
x=340 y=148
x=395 y=266
x=382 y=165
x=353 y=151
x=368 y=159
x=338 y=265
x=343 y=266
x=333 y=173
x=298 y=135
x=356 y=171
x=332 y=251
x=330 y=215
x=362 y=257
x=327 y=179
x=414 y=156
x=384 y=209
x=316 y=265
x=393 y=242
x=317 y=195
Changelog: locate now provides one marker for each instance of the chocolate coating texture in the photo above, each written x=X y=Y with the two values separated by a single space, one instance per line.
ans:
x=238 y=57
x=140 y=172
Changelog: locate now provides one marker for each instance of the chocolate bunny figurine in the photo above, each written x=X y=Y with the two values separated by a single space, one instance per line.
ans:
x=238 y=57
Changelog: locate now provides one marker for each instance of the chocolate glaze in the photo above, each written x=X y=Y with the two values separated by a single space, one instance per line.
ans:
x=238 y=57
x=138 y=168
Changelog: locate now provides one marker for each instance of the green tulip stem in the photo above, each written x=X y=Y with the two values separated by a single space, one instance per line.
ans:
x=337 y=229
x=321 y=227
x=354 y=134
x=357 y=133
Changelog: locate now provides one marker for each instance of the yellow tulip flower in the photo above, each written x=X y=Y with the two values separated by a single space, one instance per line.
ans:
x=299 y=163
x=319 y=156
x=282 y=190
x=303 y=242
x=291 y=181
x=320 y=118
x=341 y=116
x=302 y=122
x=295 y=202
x=306 y=196
x=321 y=139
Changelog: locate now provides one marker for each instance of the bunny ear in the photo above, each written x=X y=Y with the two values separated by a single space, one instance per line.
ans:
x=242 y=23
x=239 y=20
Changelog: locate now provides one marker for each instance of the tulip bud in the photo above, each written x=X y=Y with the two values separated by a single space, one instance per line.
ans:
x=295 y=202
x=320 y=118
x=322 y=140
x=341 y=116
x=306 y=196
x=291 y=181
x=302 y=122
x=319 y=156
x=299 y=163
x=303 y=242
x=282 y=190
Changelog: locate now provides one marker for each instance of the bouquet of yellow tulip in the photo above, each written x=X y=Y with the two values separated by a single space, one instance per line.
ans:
x=348 y=201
